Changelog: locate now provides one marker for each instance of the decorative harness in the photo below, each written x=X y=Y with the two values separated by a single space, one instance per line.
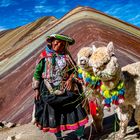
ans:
x=90 y=80
x=115 y=96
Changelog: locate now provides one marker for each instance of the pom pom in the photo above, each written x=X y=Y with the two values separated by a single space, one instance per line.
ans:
x=114 y=97
x=114 y=93
x=120 y=101
x=106 y=94
x=107 y=107
x=87 y=75
x=93 y=78
x=92 y=107
x=98 y=83
x=93 y=82
x=120 y=86
x=115 y=102
x=103 y=87
x=107 y=100
x=80 y=70
x=103 y=102
x=80 y=76
x=120 y=96
x=87 y=83
x=88 y=80
x=121 y=92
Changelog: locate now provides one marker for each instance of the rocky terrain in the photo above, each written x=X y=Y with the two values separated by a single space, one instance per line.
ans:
x=20 y=47
x=30 y=132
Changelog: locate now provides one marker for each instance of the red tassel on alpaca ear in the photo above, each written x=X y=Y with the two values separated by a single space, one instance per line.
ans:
x=92 y=107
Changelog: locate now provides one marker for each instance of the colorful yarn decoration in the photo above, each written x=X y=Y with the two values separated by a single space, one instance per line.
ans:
x=90 y=80
x=115 y=96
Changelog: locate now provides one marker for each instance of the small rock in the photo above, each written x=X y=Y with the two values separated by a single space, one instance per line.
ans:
x=11 y=138
x=1 y=124
x=9 y=125
x=18 y=124
x=4 y=122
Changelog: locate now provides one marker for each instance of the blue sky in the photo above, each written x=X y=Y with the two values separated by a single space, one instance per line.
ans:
x=14 y=13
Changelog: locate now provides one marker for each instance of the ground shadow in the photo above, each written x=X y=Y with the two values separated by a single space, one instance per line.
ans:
x=110 y=123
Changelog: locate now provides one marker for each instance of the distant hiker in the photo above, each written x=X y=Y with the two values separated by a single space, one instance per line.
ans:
x=57 y=94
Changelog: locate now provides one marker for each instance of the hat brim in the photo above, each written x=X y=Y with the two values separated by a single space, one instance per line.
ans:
x=50 y=38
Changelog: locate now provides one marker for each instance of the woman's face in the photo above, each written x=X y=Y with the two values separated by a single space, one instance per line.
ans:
x=58 y=45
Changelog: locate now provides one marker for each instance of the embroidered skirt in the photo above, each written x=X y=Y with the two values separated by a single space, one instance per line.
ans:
x=56 y=113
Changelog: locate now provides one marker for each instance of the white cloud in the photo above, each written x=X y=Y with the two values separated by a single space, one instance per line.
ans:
x=137 y=23
x=62 y=9
x=2 y=28
x=6 y=3
x=137 y=17
x=51 y=9
x=114 y=10
x=43 y=9
x=43 y=6
x=41 y=1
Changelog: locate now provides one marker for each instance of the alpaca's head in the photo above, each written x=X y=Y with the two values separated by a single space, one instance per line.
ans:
x=83 y=57
x=104 y=63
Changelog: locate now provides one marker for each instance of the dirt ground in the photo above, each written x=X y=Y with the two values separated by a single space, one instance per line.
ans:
x=30 y=132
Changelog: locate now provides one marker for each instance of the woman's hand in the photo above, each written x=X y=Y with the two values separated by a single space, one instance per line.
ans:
x=37 y=94
x=68 y=84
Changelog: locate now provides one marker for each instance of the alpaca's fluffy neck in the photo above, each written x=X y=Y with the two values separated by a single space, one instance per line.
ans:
x=112 y=84
x=89 y=70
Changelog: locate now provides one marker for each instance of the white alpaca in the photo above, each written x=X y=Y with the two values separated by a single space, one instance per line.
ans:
x=83 y=63
x=106 y=67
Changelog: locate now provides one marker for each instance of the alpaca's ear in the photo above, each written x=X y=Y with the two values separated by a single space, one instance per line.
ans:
x=110 y=48
x=93 y=48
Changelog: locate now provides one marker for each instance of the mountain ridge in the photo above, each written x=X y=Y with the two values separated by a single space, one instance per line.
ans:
x=85 y=9
x=85 y=26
